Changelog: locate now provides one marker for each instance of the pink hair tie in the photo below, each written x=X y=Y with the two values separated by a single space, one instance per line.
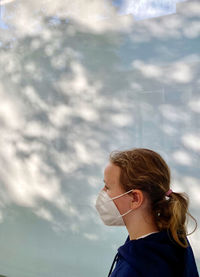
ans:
x=168 y=192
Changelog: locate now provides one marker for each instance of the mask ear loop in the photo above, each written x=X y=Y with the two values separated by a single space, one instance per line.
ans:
x=125 y=213
x=120 y=196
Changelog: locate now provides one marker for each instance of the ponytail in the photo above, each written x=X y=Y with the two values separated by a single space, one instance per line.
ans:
x=172 y=214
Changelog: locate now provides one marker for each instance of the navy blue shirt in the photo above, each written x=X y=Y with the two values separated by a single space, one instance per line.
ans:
x=156 y=255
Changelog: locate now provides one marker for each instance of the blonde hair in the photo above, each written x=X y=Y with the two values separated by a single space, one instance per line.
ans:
x=146 y=170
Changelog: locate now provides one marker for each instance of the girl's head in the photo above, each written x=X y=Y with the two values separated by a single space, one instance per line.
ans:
x=146 y=171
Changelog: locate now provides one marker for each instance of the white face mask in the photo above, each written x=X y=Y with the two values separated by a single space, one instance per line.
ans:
x=108 y=210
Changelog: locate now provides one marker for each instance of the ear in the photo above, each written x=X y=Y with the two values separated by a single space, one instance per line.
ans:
x=137 y=199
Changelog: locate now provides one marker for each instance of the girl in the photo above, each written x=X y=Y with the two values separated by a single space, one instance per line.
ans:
x=137 y=194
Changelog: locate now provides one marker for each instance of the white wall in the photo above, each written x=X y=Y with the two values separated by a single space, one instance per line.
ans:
x=71 y=92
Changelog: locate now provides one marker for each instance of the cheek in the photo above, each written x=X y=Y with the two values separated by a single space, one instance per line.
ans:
x=123 y=205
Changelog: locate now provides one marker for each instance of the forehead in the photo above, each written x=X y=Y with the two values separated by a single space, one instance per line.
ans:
x=111 y=172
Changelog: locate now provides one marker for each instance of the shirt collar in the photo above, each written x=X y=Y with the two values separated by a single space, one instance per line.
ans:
x=147 y=235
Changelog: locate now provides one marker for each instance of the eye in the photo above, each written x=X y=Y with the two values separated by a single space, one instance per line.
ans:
x=105 y=186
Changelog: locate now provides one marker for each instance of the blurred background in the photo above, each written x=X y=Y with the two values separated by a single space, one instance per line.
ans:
x=78 y=80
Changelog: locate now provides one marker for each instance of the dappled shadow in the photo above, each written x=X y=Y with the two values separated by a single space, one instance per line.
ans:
x=69 y=95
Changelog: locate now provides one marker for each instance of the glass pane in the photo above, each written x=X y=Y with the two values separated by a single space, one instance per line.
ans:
x=78 y=80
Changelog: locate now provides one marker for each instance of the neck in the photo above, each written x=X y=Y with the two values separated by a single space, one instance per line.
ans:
x=140 y=227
